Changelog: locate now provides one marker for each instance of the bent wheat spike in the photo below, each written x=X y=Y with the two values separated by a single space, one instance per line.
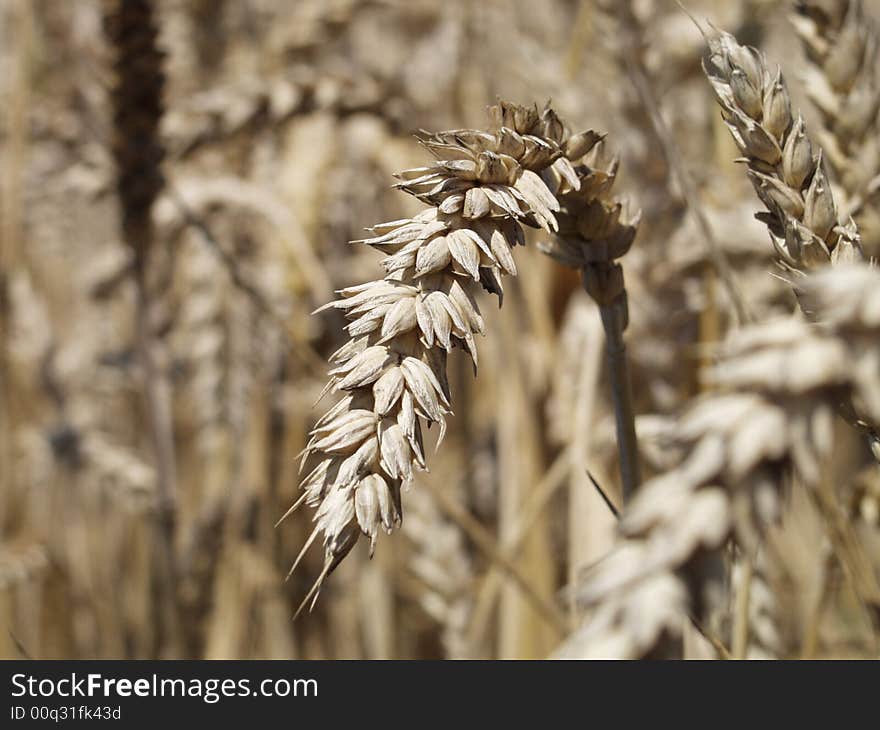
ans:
x=481 y=189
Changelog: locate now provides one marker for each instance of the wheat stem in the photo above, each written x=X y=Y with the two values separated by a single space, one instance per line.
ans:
x=740 y=643
x=621 y=395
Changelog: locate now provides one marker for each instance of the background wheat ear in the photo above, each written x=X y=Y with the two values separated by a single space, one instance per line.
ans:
x=771 y=423
x=786 y=169
x=784 y=166
x=842 y=46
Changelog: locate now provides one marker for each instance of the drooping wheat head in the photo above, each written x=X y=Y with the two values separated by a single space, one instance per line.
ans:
x=482 y=189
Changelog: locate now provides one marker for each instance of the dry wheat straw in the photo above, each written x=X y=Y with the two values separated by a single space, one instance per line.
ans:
x=594 y=232
x=483 y=187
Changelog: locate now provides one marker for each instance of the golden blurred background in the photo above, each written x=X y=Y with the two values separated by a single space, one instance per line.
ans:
x=282 y=127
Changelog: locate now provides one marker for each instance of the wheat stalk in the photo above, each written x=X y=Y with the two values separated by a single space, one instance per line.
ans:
x=483 y=188
x=594 y=232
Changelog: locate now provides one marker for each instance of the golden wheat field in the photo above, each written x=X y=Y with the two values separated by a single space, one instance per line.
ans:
x=664 y=444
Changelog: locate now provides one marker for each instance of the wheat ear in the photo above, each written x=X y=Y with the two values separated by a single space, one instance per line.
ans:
x=787 y=171
x=842 y=48
x=785 y=167
x=131 y=28
x=483 y=187
x=781 y=384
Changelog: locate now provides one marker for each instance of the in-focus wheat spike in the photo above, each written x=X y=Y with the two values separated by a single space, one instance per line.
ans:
x=842 y=46
x=781 y=382
x=482 y=188
x=784 y=165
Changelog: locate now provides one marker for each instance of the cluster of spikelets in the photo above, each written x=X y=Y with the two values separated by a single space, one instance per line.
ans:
x=785 y=168
x=137 y=103
x=482 y=189
x=779 y=385
x=841 y=79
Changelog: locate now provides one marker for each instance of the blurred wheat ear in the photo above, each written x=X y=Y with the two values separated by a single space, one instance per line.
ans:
x=136 y=96
x=787 y=171
x=770 y=423
x=842 y=46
